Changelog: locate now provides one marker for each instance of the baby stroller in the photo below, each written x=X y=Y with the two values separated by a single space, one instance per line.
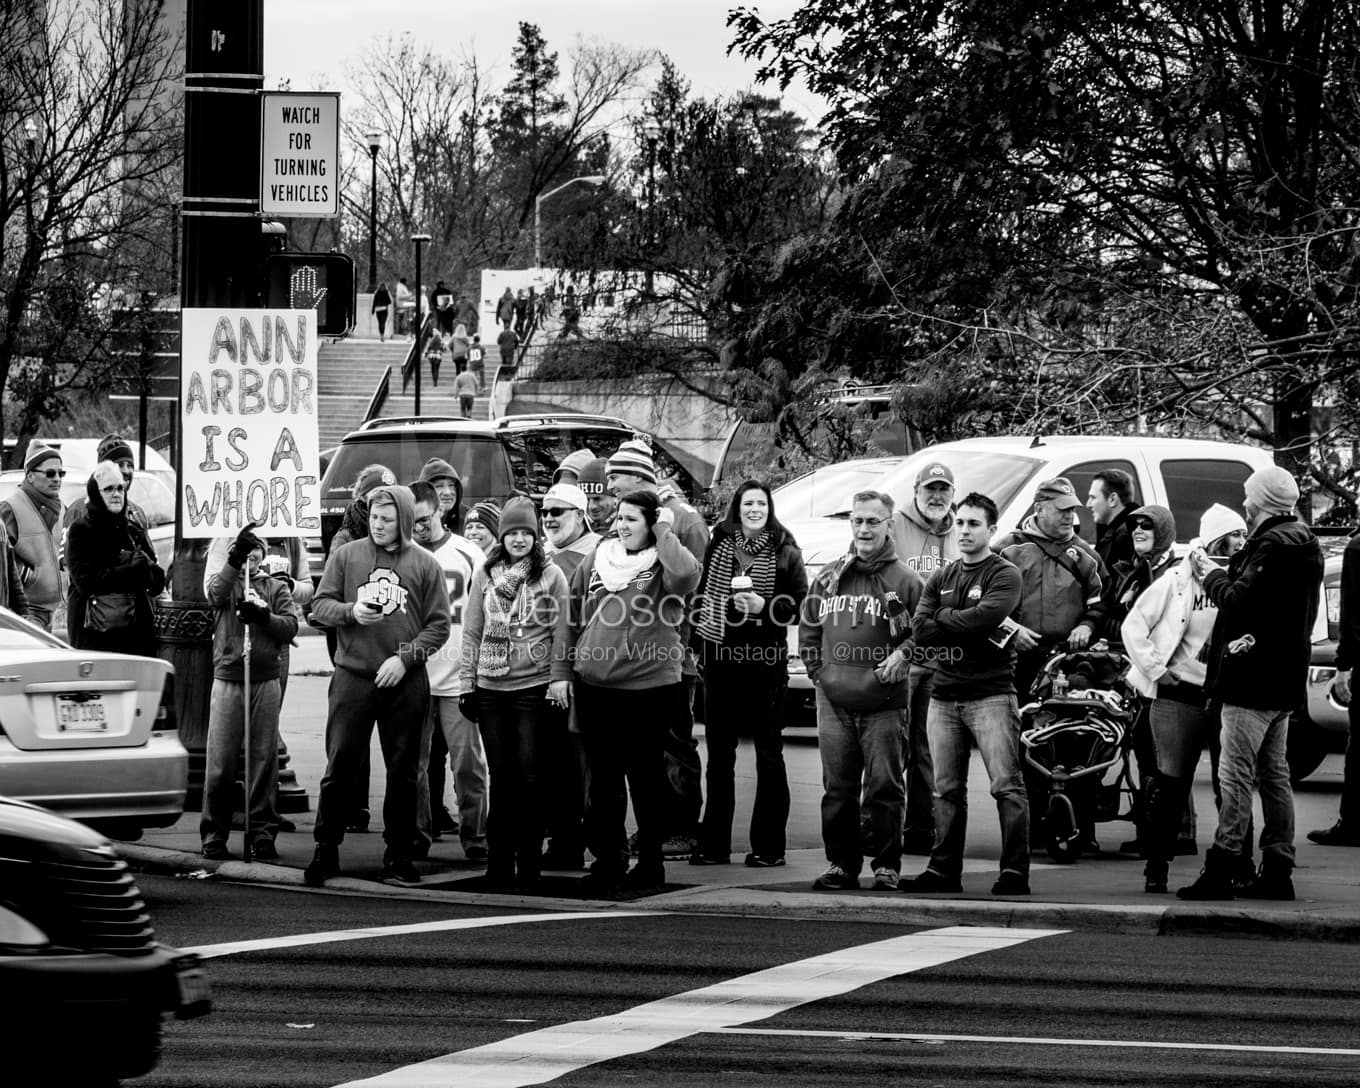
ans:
x=1076 y=736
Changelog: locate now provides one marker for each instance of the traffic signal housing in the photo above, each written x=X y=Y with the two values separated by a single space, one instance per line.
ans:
x=323 y=282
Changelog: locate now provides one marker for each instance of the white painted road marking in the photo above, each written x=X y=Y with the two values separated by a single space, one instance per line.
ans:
x=299 y=940
x=540 y=1056
x=1018 y=1040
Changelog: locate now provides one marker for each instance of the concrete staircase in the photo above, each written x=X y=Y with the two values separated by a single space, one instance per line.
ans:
x=348 y=372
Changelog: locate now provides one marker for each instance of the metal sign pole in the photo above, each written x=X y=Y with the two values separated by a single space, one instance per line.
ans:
x=245 y=661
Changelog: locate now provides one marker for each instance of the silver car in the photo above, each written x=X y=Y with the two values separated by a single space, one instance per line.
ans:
x=89 y=735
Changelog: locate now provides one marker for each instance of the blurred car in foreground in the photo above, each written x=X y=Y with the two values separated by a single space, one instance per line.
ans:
x=1323 y=724
x=83 y=983
x=90 y=735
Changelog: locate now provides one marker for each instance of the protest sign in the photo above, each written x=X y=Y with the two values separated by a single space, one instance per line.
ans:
x=248 y=422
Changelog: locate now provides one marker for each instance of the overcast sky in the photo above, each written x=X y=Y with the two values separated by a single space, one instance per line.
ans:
x=309 y=41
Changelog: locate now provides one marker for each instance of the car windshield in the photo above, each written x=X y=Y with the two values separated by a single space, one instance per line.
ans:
x=825 y=493
x=478 y=459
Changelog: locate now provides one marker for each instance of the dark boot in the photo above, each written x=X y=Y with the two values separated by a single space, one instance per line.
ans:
x=1164 y=801
x=1215 y=879
x=1154 y=876
x=1274 y=881
x=324 y=865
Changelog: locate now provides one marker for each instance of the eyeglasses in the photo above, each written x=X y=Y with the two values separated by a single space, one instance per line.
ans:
x=113 y=489
x=557 y=511
x=866 y=523
x=53 y=473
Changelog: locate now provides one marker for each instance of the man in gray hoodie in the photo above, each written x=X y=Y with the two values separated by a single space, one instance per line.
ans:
x=385 y=596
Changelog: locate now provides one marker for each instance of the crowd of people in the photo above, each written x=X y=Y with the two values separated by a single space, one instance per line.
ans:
x=541 y=665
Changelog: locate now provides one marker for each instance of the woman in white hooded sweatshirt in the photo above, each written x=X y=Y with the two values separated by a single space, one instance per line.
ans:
x=1164 y=634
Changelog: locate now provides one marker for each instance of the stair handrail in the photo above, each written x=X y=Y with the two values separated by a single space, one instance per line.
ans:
x=413 y=355
x=379 y=398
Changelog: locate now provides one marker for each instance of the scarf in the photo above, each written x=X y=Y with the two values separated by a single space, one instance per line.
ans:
x=355 y=519
x=756 y=558
x=899 y=622
x=48 y=507
x=504 y=597
x=617 y=566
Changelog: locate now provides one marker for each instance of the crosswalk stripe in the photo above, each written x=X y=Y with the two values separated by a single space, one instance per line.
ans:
x=299 y=940
x=1021 y=1040
x=536 y=1057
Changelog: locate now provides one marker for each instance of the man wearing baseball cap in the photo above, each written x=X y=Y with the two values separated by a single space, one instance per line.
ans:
x=600 y=501
x=568 y=537
x=32 y=517
x=1061 y=601
x=927 y=541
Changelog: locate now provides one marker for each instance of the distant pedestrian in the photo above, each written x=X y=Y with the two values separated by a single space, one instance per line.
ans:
x=523 y=310
x=505 y=309
x=465 y=388
x=459 y=346
x=441 y=302
x=855 y=641
x=382 y=305
x=752 y=588
x=507 y=342
x=477 y=358
x=406 y=308
x=465 y=314
x=571 y=316
x=962 y=617
x=1257 y=670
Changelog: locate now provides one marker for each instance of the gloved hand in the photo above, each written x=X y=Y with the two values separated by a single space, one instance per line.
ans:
x=252 y=612
x=467 y=705
x=246 y=542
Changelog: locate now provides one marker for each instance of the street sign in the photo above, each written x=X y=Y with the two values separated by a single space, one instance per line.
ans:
x=300 y=154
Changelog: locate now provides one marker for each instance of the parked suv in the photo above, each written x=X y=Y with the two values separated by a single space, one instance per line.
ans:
x=516 y=452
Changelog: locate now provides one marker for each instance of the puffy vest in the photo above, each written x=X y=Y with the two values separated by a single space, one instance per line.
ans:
x=36 y=548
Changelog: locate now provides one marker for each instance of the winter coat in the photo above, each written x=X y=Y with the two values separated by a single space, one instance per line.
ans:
x=1061 y=581
x=267 y=640
x=920 y=545
x=1270 y=592
x=770 y=627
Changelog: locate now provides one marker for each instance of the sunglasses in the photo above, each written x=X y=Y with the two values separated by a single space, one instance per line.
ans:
x=113 y=489
x=53 y=473
x=556 y=511
x=1146 y=526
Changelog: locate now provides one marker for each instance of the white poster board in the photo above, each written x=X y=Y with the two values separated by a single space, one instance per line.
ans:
x=248 y=423
x=300 y=154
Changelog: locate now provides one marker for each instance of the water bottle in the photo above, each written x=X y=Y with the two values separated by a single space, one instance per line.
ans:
x=1060 y=685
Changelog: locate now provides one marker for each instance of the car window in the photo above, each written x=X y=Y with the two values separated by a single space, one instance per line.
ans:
x=155 y=499
x=478 y=459
x=827 y=491
x=1192 y=486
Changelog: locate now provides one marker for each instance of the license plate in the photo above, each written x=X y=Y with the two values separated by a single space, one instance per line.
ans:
x=195 y=995
x=81 y=714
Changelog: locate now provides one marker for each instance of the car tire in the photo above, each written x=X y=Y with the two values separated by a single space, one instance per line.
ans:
x=1306 y=746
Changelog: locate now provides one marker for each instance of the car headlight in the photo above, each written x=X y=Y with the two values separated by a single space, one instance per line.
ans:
x=16 y=931
x=1334 y=604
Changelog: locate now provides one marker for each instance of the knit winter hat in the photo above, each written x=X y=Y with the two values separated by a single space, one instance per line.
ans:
x=486 y=514
x=371 y=477
x=1272 y=489
x=518 y=514
x=1218 y=521
x=634 y=458
x=106 y=474
x=593 y=477
x=113 y=447
x=1163 y=526
x=573 y=463
x=38 y=452
x=436 y=468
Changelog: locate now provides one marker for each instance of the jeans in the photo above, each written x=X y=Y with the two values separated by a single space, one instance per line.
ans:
x=514 y=731
x=1350 y=782
x=744 y=698
x=861 y=753
x=226 y=735
x=994 y=723
x=453 y=737
x=624 y=733
x=1254 y=749
x=683 y=770
x=403 y=720
x=41 y=615
x=566 y=787
x=1180 y=733
x=920 y=767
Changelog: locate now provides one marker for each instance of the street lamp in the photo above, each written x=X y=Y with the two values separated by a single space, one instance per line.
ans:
x=374 y=139
x=419 y=240
x=651 y=129
x=585 y=179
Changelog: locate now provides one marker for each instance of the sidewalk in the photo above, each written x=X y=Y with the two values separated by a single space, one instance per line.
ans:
x=1100 y=893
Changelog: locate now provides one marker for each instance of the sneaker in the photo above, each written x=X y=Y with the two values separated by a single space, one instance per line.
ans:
x=835 y=879
x=325 y=864
x=701 y=858
x=885 y=880
x=286 y=825
x=264 y=850
x=930 y=882
x=400 y=871
x=216 y=851
x=644 y=878
x=476 y=853
x=1337 y=835
x=358 y=823
x=1011 y=883
x=677 y=846
x=764 y=861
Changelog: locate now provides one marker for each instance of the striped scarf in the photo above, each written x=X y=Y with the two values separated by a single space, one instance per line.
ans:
x=505 y=596
x=755 y=558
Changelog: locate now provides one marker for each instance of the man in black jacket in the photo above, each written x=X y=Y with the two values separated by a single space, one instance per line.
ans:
x=1267 y=603
x=1346 y=830
x=1111 y=502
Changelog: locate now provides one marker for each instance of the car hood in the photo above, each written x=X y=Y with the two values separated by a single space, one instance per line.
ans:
x=20 y=820
x=821 y=539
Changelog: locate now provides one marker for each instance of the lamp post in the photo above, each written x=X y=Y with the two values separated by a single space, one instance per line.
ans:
x=419 y=240
x=651 y=130
x=374 y=139
x=585 y=179
x=30 y=171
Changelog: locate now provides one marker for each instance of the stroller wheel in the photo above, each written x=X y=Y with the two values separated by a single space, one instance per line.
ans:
x=1064 y=836
x=1065 y=851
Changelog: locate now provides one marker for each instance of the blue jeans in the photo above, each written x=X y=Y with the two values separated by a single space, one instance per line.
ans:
x=226 y=734
x=994 y=723
x=920 y=768
x=462 y=744
x=1254 y=751
x=861 y=754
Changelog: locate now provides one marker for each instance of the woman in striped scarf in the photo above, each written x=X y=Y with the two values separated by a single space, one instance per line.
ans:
x=752 y=587
x=516 y=611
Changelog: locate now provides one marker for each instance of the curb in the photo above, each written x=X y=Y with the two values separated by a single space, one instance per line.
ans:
x=1156 y=920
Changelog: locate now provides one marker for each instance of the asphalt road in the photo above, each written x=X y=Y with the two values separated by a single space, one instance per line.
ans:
x=464 y=997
